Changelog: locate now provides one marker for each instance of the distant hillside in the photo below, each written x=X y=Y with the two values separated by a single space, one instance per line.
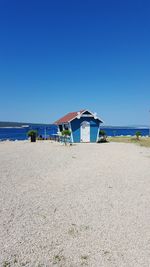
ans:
x=19 y=124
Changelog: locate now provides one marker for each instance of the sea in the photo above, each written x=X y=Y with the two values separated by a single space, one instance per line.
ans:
x=46 y=131
x=125 y=131
x=21 y=133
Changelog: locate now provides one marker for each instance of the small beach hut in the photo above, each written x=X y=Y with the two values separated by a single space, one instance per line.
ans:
x=84 y=126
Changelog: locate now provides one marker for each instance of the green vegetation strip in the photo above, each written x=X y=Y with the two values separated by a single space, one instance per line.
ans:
x=143 y=141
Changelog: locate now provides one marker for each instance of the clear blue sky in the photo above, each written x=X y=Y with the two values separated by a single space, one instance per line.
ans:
x=60 y=56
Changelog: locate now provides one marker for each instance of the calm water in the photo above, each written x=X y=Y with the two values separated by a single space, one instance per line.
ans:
x=118 y=131
x=21 y=133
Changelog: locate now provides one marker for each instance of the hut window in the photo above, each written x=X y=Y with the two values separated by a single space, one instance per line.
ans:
x=66 y=126
x=60 y=128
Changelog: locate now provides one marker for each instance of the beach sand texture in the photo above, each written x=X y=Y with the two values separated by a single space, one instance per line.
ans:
x=83 y=205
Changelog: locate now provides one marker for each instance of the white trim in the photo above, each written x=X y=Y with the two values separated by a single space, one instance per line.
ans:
x=63 y=126
x=86 y=116
x=77 y=116
x=98 y=132
x=86 y=110
x=71 y=132
x=94 y=115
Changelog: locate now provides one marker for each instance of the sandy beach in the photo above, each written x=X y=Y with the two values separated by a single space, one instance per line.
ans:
x=83 y=205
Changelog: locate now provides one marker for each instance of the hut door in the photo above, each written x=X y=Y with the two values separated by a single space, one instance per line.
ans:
x=85 y=131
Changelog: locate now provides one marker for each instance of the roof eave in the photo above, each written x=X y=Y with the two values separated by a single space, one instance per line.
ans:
x=77 y=115
x=89 y=112
x=59 y=123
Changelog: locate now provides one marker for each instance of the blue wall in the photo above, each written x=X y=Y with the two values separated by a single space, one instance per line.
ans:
x=75 y=125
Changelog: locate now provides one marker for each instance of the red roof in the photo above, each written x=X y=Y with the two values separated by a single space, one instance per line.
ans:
x=68 y=117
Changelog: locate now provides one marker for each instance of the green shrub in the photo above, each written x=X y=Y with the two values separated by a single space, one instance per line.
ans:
x=66 y=132
x=32 y=133
x=102 y=133
x=138 y=134
x=102 y=137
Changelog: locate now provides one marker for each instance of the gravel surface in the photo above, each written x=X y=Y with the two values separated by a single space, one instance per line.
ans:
x=83 y=205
